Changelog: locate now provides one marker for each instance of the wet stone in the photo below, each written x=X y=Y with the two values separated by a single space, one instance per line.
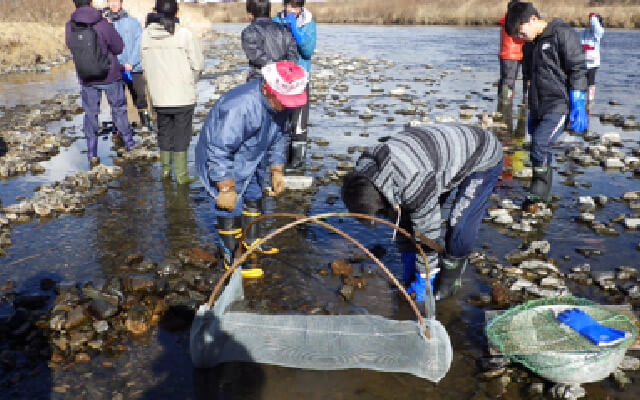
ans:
x=102 y=309
x=620 y=379
x=197 y=257
x=567 y=392
x=346 y=292
x=134 y=259
x=341 y=267
x=630 y=363
x=355 y=281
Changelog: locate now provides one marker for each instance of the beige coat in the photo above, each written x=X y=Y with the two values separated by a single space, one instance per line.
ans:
x=172 y=65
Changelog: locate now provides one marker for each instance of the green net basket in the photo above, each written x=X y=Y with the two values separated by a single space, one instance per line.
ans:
x=531 y=335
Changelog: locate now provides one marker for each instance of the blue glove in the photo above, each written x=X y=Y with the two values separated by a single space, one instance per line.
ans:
x=582 y=322
x=578 y=114
x=409 y=266
x=126 y=76
x=418 y=286
x=291 y=21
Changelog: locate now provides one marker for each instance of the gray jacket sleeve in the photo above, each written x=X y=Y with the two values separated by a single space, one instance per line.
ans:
x=572 y=56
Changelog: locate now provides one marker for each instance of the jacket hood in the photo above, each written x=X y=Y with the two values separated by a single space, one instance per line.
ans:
x=116 y=16
x=552 y=26
x=157 y=31
x=86 y=15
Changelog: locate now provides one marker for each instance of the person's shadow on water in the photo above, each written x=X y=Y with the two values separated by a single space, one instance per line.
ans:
x=24 y=346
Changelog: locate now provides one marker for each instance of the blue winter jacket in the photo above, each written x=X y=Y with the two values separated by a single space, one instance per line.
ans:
x=241 y=135
x=308 y=44
x=130 y=31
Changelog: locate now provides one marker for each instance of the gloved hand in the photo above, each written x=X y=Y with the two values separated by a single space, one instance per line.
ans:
x=578 y=114
x=291 y=21
x=277 y=179
x=126 y=76
x=418 y=287
x=226 y=194
x=582 y=322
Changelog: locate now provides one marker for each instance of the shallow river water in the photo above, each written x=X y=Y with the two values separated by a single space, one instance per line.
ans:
x=141 y=214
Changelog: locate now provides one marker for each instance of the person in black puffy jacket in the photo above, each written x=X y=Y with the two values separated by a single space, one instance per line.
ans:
x=554 y=64
x=265 y=41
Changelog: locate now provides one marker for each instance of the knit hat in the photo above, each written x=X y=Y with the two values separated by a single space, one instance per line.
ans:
x=287 y=81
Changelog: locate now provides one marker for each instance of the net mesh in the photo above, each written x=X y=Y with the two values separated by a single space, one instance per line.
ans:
x=323 y=342
x=531 y=335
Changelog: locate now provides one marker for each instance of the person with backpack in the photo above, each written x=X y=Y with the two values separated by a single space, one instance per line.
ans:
x=300 y=22
x=265 y=41
x=172 y=61
x=94 y=44
x=554 y=65
x=130 y=31
x=590 y=38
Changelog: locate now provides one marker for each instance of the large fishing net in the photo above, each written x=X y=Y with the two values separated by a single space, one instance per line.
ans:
x=322 y=342
x=531 y=335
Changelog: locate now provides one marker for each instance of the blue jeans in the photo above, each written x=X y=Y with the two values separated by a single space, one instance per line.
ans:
x=91 y=96
x=471 y=202
x=544 y=132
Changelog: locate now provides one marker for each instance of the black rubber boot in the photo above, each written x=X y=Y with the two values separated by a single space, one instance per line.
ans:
x=297 y=154
x=229 y=230
x=540 y=189
x=449 y=280
x=253 y=209
x=145 y=120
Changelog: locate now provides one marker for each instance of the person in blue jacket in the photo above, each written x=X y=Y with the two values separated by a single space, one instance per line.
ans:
x=300 y=22
x=242 y=136
x=130 y=31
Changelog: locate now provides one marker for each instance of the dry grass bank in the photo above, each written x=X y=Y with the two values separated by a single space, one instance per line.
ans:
x=33 y=30
x=616 y=13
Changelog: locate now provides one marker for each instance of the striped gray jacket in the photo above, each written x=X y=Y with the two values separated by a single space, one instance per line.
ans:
x=413 y=168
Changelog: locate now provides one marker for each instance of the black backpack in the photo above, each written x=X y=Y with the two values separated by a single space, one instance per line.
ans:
x=92 y=64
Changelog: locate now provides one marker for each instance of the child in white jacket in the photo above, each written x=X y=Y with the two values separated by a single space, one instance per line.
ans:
x=590 y=38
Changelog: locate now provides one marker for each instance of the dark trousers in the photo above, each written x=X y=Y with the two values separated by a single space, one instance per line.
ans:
x=544 y=132
x=298 y=121
x=174 y=127
x=137 y=89
x=508 y=73
x=468 y=208
x=91 y=96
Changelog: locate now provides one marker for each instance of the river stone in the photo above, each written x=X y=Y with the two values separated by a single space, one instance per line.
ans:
x=562 y=391
x=524 y=173
x=503 y=219
x=341 y=267
x=536 y=388
x=613 y=163
x=101 y=326
x=102 y=309
x=346 y=292
x=625 y=272
x=629 y=363
x=610 y=138
x=77 y=316
x=601 y=200
x=620 y=378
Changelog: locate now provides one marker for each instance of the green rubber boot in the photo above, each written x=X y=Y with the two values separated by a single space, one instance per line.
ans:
x=180 y=168
x=165 y=162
